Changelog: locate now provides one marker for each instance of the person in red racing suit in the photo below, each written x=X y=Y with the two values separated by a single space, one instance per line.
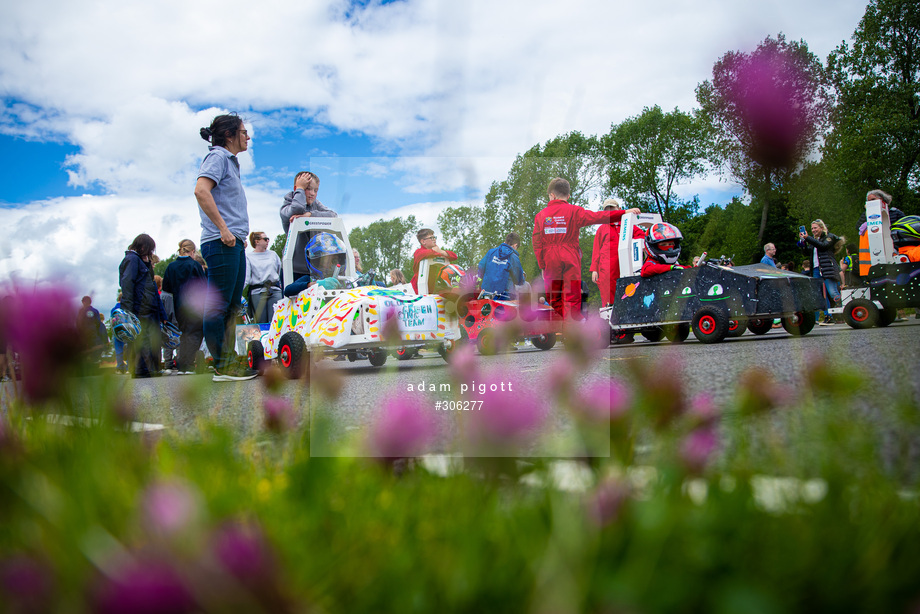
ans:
x=605 y=260
x=555 y=244
x=662 y=249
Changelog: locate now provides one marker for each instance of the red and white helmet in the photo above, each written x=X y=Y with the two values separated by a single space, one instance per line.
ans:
x=659 y=233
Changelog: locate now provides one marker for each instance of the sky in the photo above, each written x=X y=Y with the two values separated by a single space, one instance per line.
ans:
x=401 y=107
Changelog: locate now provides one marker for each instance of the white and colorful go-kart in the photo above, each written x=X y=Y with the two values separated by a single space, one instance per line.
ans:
x=349 y=321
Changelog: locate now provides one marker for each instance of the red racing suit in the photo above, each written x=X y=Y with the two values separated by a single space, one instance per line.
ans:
x=606 y=261
x=650 y=268
x=422 y=253
x=555 y=244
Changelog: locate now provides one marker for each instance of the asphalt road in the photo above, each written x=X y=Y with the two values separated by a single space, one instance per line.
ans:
x=888 y=356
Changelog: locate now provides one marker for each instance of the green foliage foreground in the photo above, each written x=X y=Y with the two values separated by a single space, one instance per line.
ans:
x=797 y=511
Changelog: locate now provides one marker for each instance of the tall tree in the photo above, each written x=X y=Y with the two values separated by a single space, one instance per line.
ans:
x=768 y=108
x=875 y=141
x=462 y=230
x=512 y=204
x=386 y=244
x=650 y=154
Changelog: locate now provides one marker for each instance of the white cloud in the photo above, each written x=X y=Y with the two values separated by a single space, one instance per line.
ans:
x=457 y=88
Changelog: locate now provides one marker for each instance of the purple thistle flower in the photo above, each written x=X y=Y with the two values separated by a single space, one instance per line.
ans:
x=605 y=503
x=242 y=551
x=698 y=448
x=144 y=587
x=463 y=363
x=279 y=414
x=602 y=401
x=26 y=583
x=765 y=94
x=170 y=507
x=703 y=410
x=40 y=325
x=507 y=417
x=403 y=429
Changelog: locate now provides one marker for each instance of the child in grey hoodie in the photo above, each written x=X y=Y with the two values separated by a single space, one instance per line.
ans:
x=301 y=201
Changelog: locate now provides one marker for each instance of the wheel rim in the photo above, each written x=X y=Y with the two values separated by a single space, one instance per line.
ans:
x=286 y=356
x=707 y=324
x=733 y=325
x=250 y=361
x=796 y=320
x=860 y=314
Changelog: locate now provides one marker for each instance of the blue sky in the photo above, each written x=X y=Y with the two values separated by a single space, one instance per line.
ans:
x=402 y=107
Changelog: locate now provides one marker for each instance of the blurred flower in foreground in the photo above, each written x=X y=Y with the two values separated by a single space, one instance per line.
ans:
x=698 y=448
x=585 y=338
x=148 y=586
x=605 y=503
x=703 y=410
x=403 y=428
x=26 y=584
x=40 y=325
x=170 y=507
x=602 y=401
x=766 y=92
x=243 y=552
x=510 y=414
x=660 y=388
x=279 y=414
x=390 y=331
x=464 y=363
x=758 y=392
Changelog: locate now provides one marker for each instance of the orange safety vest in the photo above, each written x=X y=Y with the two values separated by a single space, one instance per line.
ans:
x=864 y=257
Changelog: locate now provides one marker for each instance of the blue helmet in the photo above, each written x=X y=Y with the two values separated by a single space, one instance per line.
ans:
x=322 y=245
x=125 y=325
x=171 y=335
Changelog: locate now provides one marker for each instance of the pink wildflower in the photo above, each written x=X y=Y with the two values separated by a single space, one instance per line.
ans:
x=279 y=414
x=404 y=428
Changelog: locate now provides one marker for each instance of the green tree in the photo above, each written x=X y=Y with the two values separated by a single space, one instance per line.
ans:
x=462 y=232
x=767 y=109
x=160 y=267
x=512 y=204
x=278 y=245
x=386 y=244
x=650 y=154
x=875 y=141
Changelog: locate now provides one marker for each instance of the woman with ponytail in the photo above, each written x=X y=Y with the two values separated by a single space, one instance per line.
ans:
x=224 y=226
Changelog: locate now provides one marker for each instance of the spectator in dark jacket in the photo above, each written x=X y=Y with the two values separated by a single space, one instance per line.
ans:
x=140 y=297
x=187 y=282
x=821 y=247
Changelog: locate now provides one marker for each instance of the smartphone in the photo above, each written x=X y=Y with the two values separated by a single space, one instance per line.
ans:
x=802 y=230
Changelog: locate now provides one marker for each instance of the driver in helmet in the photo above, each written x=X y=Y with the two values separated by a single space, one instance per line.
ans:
x=905 y=234
x=323 y=253
x=662 y=249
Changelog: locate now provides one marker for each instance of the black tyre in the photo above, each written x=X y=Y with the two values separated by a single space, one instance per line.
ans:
x=799 y=324
x=255 y=356
x=759 y=326
x=447 y=347
x=377 y=358
x=677 y=333
x=861 y=313
x=486 y=343
x=404 y=353
x=291 y=349
x=544 y=342
x=653 y=334
x=887 y=315
x=736 y=328
x=710 y=325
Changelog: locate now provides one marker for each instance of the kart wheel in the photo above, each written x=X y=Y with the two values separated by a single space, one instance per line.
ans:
x=736 y=328
x=447 y=348
x=377 y=358
x=887 y=315
x=544 y=342
x=255 y=356
x=653 y=334
x=677 y=333
x=799 y=324
x=759 y=326
x=291 y=348
x=861 y=313
x=621 y=338
x=404 y=353
x=486 y=343
x=710 y=325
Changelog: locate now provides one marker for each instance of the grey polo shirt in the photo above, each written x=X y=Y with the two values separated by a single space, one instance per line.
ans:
x=222 y=167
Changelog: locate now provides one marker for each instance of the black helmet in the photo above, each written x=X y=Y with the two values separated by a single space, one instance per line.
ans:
x=906 y=231
x=659 y=233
